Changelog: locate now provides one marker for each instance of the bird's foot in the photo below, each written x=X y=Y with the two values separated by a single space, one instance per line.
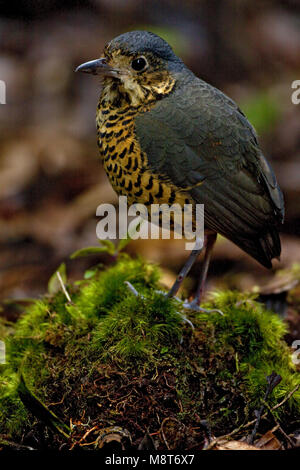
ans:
x=186 y=320
x=194 y=305
x=137 y=294
x=133 y=290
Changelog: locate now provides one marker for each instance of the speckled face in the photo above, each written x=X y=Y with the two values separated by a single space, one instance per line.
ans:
x=143 y=76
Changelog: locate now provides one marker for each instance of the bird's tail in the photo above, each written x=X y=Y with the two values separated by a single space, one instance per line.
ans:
x=264 y=248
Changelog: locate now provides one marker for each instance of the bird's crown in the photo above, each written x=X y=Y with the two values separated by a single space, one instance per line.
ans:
x=142 y=42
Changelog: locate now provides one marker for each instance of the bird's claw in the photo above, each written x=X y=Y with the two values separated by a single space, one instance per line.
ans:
x=137 y=294
x=133 y=289
x=193 y=305
x=186 y=320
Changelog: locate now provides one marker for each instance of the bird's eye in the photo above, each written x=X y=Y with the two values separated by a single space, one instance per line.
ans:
x=139 y=64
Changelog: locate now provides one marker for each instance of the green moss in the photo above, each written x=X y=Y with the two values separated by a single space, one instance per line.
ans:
x=97 y=297
x=253 y=332
x=12 y=411
x=109 y=349
x=256 y=336
x=138 y=328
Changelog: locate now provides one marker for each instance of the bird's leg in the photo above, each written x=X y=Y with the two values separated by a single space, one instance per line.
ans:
x=211 y=240
x=185 y=270
x=195 y=304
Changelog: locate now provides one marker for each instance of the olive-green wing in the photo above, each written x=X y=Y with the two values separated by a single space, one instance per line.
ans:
x=198 y=139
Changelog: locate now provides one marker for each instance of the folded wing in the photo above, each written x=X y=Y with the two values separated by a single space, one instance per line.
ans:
x=198 y=139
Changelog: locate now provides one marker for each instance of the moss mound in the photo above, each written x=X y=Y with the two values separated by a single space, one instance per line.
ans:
x=110 y=358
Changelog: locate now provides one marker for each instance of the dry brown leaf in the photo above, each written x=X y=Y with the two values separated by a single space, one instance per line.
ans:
x=268 y=442
x=234 y=445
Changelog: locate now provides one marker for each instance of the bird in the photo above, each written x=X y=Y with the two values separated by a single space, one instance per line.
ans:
x=167 y=136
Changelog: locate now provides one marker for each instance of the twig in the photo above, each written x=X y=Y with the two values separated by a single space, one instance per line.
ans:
x=273 y=380
x=163 y=434
x=58 y=402
x=86 y=435
x=63 y=287
x=279 y=427
x=286 y=398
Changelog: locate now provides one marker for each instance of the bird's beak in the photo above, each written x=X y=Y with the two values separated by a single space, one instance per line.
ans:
x=98 y=67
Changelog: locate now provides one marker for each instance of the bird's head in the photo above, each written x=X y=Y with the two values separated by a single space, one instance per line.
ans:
x=139 y=65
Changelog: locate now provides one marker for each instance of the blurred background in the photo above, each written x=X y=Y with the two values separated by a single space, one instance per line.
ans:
x=51 y=179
